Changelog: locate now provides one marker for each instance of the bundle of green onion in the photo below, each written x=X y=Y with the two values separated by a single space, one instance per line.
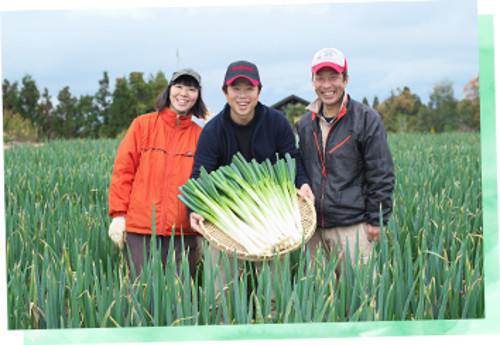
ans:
x=255 y=204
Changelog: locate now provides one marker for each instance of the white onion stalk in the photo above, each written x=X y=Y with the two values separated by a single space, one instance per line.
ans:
x=253 y=203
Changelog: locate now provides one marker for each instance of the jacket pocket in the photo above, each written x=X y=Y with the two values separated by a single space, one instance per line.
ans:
x=139 y=216
x=339 y=145
x=353 y=198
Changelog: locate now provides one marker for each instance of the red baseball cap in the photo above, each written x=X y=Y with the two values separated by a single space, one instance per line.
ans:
x=329 y=57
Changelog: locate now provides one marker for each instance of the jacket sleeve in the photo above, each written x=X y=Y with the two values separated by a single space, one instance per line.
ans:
x=206 y=154
x=287 y=142
x=379 y=172
x=302 y=177
x=124 y=169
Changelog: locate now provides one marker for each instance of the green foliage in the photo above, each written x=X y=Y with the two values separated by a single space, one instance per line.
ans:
x=404 y=112
x=88 y=117
x=103 y=114
x=47 y=121
x=468 y=119
x=131 y=98
x=10 y=93
x=142 y=94
x=102 y=100
x=442 y=108
x=66 y=115
x=16 y=128
x=294 y=112
x=28 y=99
x=64 y=271
x=157 y=83
x=123 y=109
x=468 y=108
x=399 y=110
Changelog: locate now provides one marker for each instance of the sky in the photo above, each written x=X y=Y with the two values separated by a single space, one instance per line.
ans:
x=388 y=45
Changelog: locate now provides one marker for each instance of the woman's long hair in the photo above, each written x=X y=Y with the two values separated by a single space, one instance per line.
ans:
x=198 y=110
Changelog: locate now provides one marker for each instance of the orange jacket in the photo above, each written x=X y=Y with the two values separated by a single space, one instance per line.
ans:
x=153 y=160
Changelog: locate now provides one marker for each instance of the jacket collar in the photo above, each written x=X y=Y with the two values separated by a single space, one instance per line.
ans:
x=316 y=106
x=173 y=119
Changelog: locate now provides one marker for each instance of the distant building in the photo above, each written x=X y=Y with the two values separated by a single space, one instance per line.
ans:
x=292 y=114
x=292 y=99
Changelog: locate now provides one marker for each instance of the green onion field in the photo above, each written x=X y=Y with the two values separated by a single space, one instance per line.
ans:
x=63 y=271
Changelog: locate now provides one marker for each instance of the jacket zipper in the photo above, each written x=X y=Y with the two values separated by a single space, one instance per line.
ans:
x=322 y=158
x=322 y=154
x=167 y=178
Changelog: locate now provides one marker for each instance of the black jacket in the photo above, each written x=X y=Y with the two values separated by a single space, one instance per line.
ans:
x=357 y=172
x=272 y=135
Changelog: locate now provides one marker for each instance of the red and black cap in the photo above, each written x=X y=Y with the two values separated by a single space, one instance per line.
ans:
x=242 y=69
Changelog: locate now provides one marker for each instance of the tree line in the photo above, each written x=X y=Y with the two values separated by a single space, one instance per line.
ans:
x=403 y=111
x=31 y=115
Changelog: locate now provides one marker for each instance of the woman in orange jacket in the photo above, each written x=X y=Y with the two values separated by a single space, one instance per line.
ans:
x=153 y=160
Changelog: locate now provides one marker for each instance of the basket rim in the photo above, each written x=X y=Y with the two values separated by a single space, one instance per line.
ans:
x=224 y=243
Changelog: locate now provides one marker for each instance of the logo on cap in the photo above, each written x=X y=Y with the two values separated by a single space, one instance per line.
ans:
x=242 y=69
x=329 y=57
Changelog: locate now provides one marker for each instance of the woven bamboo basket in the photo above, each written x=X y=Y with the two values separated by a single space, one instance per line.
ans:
x=224 y=243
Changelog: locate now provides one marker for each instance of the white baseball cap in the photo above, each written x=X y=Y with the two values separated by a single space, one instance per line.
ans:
x=329 y=57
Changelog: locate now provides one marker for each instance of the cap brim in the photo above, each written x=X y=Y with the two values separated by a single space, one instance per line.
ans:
x=332 y=65
x=195 y=77
x=254 y=82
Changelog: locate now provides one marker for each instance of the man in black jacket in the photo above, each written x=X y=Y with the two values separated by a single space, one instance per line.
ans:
x=244 y=125
x=344 y=149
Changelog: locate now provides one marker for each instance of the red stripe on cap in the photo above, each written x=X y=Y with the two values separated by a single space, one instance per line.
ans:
x=336 y=67
x=254 y=82
x=242 y=67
